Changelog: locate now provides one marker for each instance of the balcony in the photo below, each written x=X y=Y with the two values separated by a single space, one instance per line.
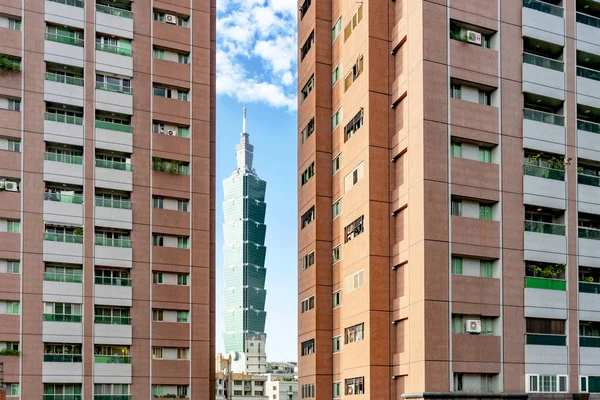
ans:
x=69 y=290
x=63 y=209
x=116 y=137
x=62 y=368
x=115 y=59
x=112 y=397
x=113 y=295
x=115 y=214
x=544 y=187
x=588 y=86
x=114 y=21
x=544 y=131
x=63 y=89
x=114 y=175
x=589 y=301
x=113 y=252
x=545 y=340
x=62 y=397
x=65 y=12
x=545 y=298
x=588 y=193
x=112 y=369
x=588 y=29
x=63 y=129
x=112 y=334
x=543 y=76
x=63 y=50
x=545 y=242
x=63 y=248
x=545 y=284
x=62 y=329
x=63 y=358
x=63 y=168
x=541 y=20
x=589 y=246
x=114 y=98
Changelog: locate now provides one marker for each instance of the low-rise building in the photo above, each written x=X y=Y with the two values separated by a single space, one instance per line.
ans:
x=278 y=388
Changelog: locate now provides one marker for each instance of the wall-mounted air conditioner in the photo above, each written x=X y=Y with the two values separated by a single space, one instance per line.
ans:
x=474 y=37
x=473 y=326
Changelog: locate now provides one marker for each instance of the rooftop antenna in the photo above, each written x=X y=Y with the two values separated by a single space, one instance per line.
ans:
x=244 y=122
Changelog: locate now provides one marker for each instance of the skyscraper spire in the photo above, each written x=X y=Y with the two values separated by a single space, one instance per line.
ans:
x=244 y=150
x=244 y=122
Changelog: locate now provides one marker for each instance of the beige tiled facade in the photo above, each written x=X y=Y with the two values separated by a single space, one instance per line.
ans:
x=461 y=141
x=107 y=254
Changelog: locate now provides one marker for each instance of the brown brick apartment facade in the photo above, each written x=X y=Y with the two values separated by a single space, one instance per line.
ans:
x=107 y=171
x=449 y=210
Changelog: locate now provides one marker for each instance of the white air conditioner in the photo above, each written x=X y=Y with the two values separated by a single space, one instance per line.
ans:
x=474 y=37
x=11 y=186
x=171 y=133
x=473 y=326
x=170 y=19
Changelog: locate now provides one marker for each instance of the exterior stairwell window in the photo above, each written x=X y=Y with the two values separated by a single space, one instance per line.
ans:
x=354 y=229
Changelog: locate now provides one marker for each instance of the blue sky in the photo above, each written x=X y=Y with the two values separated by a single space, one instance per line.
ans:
x=256 y=68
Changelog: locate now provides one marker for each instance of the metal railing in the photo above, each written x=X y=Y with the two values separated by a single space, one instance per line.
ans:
x=545 y=339
x=112 y=397
x=65 y=119
x=54 y=277
x=71 y=40
x=121 y=204
x=105 y=280
x=534 y=282
x=544 y=7
x=544 y=172
x=545 y=227
x=63 y=158
x=113 y=126
x=102 y=241
x=63 y=198
x=63 y=237
x=121 y=166
x=589 y=341
x=589 y=287
x=69 y=80
x=543 y=62
x=588 y=20
x=590 y=180
x=117 y=12
x=72 y=358
x=114 y=49
x=63 y=397
x=588 y=126
x=74 y=3
x=113 y=88
x=588 y=73
x=541 y=116
x=589 y=233
x=101 y=319
x=115 y=359
x=62 y=318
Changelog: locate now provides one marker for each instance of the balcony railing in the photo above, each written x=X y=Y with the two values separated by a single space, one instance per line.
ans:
x=115 y=359
x=62 y=318
x=112 y=397
x=63 y=237
x=101 y=319
x=541 y=116
x=545 y=227
x=545 y=340
x=65 y=119
x=543 y=283
x=543 y=62
x=117 y=12
x=589 y=233
x=63 y=198
x=544 y=172
x=113 y=88
x=121 y=204
x=71 y=40
x=113 y=126
x=71 y=358
x=74 y=3
x=104 y=280
x=63 y=397
x=121 y=166
x=114 y=49
x=590 y=180
x=588 y=126
x=67 y=278
x=588 y=73
x=589 y=341
x=544 y=7
x=588 y=20
x=589 y=287
x=69 y=80
x=102 y=241
x=64 y=158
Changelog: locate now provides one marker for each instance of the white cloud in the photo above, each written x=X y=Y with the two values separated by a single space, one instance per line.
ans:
x=257 y=51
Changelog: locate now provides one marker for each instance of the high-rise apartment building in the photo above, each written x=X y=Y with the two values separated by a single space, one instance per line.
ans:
x=244 y=253
x=449 y=209
x=107 y=171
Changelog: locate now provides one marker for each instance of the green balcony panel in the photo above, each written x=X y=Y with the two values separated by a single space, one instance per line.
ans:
x=65 y=39
x=544 y=117
x=588 y=20
x=589 y=233
x=588 y=287
x=589 y=341
x=545 y=340
x=542 y=283
x=588 y=73
x=99 y=319
x=544 y=7
x=62 y=318
x=117 y=12
x=113 y=88
x=65 y=119
x=72 y=3
x=541 y=227
x=63 y=397
x=121 y=166
x=113 y=127
x=120 y=204
x=117 y=359
x=588 y=126
x=543 y=62
x=589 y=180
x=543 y=172
x=112 y=397
x=69 y=80
x=52 y=277
x=114 y=49
x=71 y=358
x=101 y=241
x=62 y=237
x=101 y=280
x=64 y=158
x=63 y=198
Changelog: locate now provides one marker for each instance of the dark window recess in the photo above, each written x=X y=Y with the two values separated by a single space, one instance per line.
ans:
x=353 y=125
x=308 y=347
x=308 y=130
x=354 y=229
x=308 y=173
x=308 y=87
x=304 y=8
x=307 y=45
x=545 y=326
x=308 y=217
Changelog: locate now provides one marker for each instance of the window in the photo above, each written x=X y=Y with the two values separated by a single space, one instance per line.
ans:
x=353 y=75
x=356 y=18
x=335 y=74
x=308 y=304
x=304 y=8
x=456 y=208
x=335 y=31
x=354 y=229
x=354 y=281
x=307 y=45
x=14 y=105
x=182 y=279
x=337 y=209
x=337 y=163
x=13 y=226
x=545 y=326
x=157 y=353
x=336 y=120
x=355 y=386
x=354 y=177
x=337 y=389
x=182 y=316
x=182 y=205
x=12 y=389
x=308 y=260
x=353 y=125
x=455 y=92
x=485 y=154
x=485 y=98
x=12 y=346
x=62 y=312
x=308 y=130
x=459 y=321
x=545 y=383
x=485 y=212
x=355 y=333
x=12 y=307
x=182 y=242
x=171 y=93
x=337 y=253
x=456 y=149
x=485 y=269
x=14 y=145
x=457 y=265
x=158 y=240
x=109 y=82
x=158 y=278
x=13 y=267
x=182 y=353
x=337 y=344
x=14 y=24
x=337 y=299
x=308 y=391
x=157 y=315
x=308 y=217
x=158 y=53
x=308 y=173
x=308 y=347
x=308 y=88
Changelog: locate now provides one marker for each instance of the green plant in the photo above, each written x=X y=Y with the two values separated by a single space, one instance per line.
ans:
x=158 y=164
x=549 y=271
x=78 y=231
x=174 y=166
x=588 y=279
x=8 y=64
x=9 y=352
x=580 y=170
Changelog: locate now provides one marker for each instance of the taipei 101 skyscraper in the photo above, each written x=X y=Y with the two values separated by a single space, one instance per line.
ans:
x=244 y=250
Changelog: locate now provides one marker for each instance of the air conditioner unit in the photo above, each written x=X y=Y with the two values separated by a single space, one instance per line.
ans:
x=170 y=19
x=11 y=186
x=171 y=133
x=474 y=37
x=473 y=326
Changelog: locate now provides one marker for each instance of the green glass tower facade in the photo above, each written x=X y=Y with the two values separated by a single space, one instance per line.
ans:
x=244 y=250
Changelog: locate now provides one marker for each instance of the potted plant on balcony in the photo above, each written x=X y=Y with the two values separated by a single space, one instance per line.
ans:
x=78 y=231
x=6 y=64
